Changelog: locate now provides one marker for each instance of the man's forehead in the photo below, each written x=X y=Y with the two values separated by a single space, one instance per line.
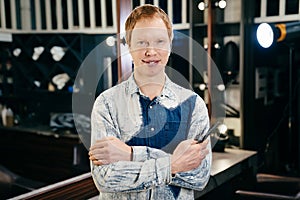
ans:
x=150 y=31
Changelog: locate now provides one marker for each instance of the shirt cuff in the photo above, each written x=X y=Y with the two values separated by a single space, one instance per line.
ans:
x=140 y=153
x=163 y=170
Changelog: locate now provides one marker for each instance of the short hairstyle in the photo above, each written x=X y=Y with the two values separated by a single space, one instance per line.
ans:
x=144 y=12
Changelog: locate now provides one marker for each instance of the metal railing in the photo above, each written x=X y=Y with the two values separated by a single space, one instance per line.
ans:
x=71 y=16
x=282 y=14
x=92 y=16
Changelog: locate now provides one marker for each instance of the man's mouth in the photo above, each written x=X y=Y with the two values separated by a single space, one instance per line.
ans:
x=151 y=62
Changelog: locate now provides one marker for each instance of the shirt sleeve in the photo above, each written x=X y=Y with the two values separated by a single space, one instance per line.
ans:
x=198 y=178
x=143 y=153
x=195 y=179
x=124 y=176
x=150 y=167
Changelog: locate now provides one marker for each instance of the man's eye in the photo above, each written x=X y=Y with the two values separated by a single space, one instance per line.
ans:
x=160 y=42
x=141 y=43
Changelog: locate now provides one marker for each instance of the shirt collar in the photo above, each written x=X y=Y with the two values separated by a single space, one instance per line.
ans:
x=166 y=92
x=132 y=86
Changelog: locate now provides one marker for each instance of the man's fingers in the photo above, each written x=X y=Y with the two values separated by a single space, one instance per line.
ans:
x=204 y=144
x=102 y=143
x=97 y=154
x=105 y=139
x=193 y=142
x=99 y=145
x=100 y=162
x=203 y=153
x=93 y=157
x=97 y=162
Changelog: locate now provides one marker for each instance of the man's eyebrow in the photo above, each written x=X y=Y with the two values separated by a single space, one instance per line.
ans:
x=139 y=38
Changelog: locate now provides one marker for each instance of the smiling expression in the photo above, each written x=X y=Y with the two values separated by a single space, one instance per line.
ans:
x=150 y=46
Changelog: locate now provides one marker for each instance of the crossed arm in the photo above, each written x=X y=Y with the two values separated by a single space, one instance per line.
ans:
x=117 y=167
x=187 y=156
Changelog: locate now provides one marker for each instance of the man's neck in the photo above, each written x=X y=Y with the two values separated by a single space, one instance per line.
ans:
x=152 y=86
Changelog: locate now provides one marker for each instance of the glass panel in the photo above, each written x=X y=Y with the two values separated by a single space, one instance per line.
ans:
x=291 y=6
x=272 y=7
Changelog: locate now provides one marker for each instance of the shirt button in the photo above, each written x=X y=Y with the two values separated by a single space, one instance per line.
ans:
x=150 y=107
x=152 y=129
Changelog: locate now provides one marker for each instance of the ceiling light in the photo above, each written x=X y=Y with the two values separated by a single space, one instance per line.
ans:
x=221 y=4
x=110 y=41
x=202 y=6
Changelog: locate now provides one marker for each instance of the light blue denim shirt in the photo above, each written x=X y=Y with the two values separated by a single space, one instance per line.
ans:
x=153 y=129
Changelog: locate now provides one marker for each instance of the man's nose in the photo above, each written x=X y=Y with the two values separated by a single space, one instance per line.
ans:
x=150 y=51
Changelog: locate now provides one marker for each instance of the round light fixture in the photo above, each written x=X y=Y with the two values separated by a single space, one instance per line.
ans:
x=202 y=86
x=110 y=41
x=265 y=35
x=201 y=6
x=222 y=4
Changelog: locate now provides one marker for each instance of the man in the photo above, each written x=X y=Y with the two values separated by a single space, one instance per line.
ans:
x=143 y=129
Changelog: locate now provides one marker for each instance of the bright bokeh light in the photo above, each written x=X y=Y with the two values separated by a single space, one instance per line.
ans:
x=202 y=87
x=222 y=128
x=222 y=4
x=265 y=35
x=110 y=41
x=201 y=5
x=221 y=87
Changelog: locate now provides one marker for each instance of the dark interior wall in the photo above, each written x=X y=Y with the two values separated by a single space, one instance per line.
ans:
x=266 y=126
x=178 y=60
x=265 y=120
x=297 y=121
x=46 y=155
x=29 y=100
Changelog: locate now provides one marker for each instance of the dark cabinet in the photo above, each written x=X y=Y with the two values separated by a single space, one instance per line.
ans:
x=32 y=62
x=30 y=148
x=42 y=155
x=35 y=157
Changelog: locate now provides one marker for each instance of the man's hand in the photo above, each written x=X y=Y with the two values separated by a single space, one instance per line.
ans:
x=188 y=155
x=109 y=150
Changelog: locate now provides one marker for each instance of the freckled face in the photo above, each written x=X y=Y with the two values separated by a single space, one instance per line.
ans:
x=150 y=47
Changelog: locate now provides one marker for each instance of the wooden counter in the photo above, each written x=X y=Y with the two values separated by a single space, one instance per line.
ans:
x=226 y=165
x=40 y=154
x=43 y=130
